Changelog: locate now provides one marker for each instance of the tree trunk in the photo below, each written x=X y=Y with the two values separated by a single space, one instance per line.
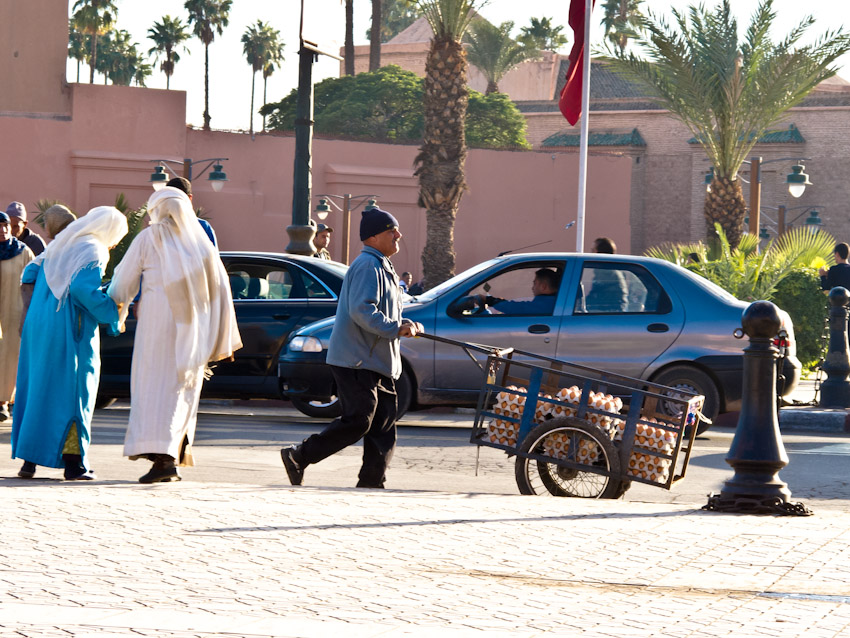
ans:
x=93 y=58
x=492 y=87
x=725 y=205
x=251 y=125
x=349 y=37
x=441 y=157
x=375 y=39
x=265 y=100
x=207 y=87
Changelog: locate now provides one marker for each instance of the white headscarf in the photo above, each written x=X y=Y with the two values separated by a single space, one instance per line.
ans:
x=84 y=243
x=196 y=284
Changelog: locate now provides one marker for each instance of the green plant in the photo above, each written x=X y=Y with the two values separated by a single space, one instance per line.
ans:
x=799 y=294
x=42 y=205
x=387 y=105
x=744 y=271
x=135 y=224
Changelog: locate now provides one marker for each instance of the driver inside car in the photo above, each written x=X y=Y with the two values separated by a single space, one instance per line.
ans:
x=544 y=288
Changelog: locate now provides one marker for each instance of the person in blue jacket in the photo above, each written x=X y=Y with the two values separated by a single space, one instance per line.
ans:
x=59 y=364
x=364 y=357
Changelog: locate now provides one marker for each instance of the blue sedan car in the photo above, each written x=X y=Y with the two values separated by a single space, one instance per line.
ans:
x=636 y=316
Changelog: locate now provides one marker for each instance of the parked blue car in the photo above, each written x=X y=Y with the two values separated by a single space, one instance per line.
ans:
x=637 y=316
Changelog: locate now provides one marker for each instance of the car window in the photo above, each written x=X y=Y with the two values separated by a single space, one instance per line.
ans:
x=313 y=288
x=259 y=281
x=512 y=292
x=436 y=291
x=616 y=288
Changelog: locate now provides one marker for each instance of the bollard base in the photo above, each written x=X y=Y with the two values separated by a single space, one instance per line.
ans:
x=754 y=505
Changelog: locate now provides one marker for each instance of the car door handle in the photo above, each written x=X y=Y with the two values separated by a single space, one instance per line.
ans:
x=538 y=329
x=658 y=327
x=280 y=317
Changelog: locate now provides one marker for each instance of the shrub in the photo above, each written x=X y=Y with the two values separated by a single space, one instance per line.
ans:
x=799 y=294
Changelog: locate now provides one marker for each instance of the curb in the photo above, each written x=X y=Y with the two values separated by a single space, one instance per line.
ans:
x=835 y=421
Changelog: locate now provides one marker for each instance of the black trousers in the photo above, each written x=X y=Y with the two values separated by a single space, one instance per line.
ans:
x=369 y=406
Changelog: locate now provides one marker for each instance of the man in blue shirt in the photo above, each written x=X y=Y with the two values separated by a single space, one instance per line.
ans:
x=544 y=288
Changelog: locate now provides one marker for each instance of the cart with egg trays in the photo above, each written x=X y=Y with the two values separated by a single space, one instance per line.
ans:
x=579 y=431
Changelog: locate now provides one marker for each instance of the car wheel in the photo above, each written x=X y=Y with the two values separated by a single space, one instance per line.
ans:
x=103 y=402
x=321 y=409
x=329 y=408
x=404 y=392
x=693 y=380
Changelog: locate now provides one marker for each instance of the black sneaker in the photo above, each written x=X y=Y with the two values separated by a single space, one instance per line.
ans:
x=27 y=470
x=163 y=470
x=293 y=469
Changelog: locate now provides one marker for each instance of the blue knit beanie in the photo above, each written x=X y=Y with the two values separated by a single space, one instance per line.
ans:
x=374 y=222
x=4 y=218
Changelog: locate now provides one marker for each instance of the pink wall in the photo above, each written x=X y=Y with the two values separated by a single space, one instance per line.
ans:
x=33 y=50
x=115 y=135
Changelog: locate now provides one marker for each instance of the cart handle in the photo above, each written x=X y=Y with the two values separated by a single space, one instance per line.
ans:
x=466 y=347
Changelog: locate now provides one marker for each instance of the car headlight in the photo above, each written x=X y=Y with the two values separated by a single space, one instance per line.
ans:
x=305 y=344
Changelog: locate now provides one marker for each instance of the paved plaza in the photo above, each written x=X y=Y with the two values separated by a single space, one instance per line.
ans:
x=234 y=550
x=115 y=558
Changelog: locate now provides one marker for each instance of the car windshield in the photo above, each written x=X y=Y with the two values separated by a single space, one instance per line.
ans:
x=436 y=291
x=710 y=286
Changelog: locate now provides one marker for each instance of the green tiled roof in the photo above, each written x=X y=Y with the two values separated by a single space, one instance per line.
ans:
x=608 y=138
x=790 y=135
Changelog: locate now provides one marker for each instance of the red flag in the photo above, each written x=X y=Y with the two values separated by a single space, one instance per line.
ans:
x=570 y=102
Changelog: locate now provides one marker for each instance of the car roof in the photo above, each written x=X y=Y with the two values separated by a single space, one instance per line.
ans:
x=573 y=255
x=256 y=253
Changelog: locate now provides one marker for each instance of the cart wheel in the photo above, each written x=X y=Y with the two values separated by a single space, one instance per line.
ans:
x=578 y=441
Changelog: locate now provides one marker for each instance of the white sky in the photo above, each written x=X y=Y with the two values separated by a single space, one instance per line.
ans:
x=230 y=74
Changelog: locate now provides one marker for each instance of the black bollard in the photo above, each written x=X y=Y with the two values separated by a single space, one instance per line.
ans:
x=757 y=453
x=835 y=391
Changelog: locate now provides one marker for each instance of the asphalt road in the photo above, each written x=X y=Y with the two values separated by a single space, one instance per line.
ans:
x=241 y=445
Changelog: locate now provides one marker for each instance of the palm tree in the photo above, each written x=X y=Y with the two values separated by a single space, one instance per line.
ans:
x=375 y=37
x=208 y=17
x=142 y=71
x=349 y=37
x=621 y=21
x=439 y=164
x=396 y=16
x=262 y=47
x=273 y=63
x=494 y=52
x=94 y=18
x=167 y=36
x=542 y=35
x=120 y=60
x=78 y=45
x=727 y=91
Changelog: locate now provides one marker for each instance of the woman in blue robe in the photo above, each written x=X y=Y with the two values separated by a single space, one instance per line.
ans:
x=59 y=364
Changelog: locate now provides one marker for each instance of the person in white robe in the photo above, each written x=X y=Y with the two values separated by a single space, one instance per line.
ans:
x=14 y=257
x=185 y=321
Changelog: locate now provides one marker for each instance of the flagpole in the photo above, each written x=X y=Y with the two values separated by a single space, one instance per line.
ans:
x=585 y=112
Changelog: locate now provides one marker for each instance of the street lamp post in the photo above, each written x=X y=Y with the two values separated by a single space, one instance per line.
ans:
x=797 y=181
x=301 y=232
x=217 y=176
x=323 y=209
